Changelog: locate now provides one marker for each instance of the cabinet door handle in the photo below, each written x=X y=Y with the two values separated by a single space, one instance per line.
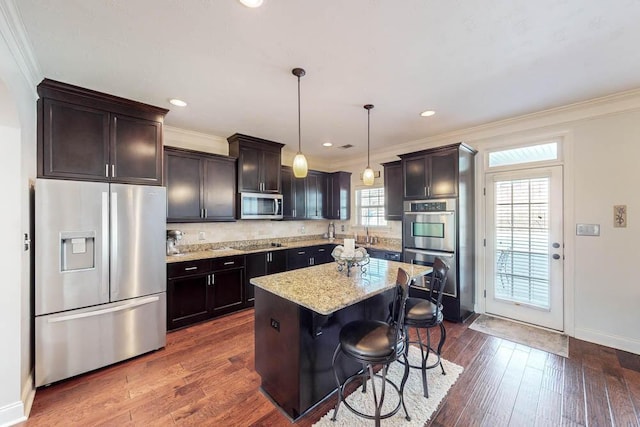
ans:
x=301 y=253
x=205 y=213
x=425 y=190
x=429 y=191
x=190 y=268
x=113 y=171
x=320 y=250
x=208 y=280
x=229 y=263
x=106 y=170
x=268 y=256
x=213 y=279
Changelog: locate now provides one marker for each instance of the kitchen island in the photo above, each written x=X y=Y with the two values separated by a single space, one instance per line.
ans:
x=298 y=317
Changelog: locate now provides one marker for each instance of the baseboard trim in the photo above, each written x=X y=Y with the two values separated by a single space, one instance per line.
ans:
x=614 y=341
x=12 y=414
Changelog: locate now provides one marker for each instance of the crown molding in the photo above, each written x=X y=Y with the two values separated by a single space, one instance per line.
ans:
x=584 y=110
x=15 y=36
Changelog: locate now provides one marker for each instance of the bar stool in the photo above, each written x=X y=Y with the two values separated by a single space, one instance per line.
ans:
x=426 y=314
x=374 y=342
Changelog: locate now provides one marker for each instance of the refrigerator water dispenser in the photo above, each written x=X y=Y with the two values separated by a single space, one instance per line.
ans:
x=77 y=250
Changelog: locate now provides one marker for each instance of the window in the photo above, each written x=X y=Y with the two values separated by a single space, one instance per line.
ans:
x=533 y=153
x=370 y=207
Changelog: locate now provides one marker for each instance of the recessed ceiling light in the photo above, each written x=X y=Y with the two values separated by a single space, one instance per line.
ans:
x=327 y=144
x=177 y=102
x=427 y=113
x=252 y=3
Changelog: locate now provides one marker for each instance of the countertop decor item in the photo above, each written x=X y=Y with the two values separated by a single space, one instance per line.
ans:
x=347 y=259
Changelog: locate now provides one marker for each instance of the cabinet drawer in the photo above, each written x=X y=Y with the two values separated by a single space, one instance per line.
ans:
x=188 y=268
x=228 y=262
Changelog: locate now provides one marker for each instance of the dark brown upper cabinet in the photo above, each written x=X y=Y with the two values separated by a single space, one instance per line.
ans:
x=337 y=199
x=434 y=173
x=393 y=190
x=201 y=187
x=315 y=189
x=302 y=198
x=294 y=201
x=259 y=162
x=92 y=136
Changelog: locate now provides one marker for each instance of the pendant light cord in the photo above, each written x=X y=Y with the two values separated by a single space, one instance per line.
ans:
x=368 y=134
x=299 y=126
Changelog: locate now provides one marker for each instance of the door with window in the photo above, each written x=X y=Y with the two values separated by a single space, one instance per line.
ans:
x=525 y=246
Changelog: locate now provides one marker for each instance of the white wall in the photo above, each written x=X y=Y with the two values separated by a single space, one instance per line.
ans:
x=17 y=170
x=607 y=173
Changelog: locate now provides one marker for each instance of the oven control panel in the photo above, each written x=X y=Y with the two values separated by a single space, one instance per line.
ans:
x=429 y=205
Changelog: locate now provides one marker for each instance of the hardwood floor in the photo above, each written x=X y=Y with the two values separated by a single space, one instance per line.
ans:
x=205 y=376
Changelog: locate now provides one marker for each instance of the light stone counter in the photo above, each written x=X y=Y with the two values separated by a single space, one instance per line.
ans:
x=240 y=250
x=325 y=290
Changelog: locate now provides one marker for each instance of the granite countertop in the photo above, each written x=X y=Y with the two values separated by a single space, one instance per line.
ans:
x=248 y=249
x=324 y=289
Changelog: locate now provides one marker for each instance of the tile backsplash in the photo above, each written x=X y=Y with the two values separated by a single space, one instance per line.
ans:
x=217 y=232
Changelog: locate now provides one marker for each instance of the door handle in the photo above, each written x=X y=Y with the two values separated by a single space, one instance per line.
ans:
x=556 y=256
x=229 y=263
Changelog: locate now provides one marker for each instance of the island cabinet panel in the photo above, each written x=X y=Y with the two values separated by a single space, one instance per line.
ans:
x=261 y=264
x=93 y=136
x=296 y=347
x=393 y=191
x=259 y=162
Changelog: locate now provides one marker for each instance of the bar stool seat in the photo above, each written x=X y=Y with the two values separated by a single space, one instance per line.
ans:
x=371 y=343
x=425 y=314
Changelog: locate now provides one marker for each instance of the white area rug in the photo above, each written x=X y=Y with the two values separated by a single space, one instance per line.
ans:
x=551 y=342
x=420 y=409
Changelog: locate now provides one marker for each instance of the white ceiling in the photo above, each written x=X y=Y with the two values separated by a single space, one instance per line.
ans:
x=472 y=61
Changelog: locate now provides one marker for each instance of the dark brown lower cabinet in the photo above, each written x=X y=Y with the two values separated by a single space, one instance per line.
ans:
x=261 y=264
x=202 y=289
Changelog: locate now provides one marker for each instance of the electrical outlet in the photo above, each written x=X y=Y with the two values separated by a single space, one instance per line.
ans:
x=342 y=228
x=202 y=235
x=302 y=230
x=275 y=324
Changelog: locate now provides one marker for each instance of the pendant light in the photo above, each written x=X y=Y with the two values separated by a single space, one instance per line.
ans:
x=367 y=175
x=300 y=167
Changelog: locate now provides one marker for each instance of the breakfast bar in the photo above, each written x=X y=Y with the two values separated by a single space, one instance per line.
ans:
x=298 y=317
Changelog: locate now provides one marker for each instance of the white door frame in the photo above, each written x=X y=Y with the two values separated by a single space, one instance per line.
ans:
x=491 y=143
x=553 y=317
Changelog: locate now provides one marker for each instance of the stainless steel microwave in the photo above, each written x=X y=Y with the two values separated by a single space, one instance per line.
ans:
x=260 y=206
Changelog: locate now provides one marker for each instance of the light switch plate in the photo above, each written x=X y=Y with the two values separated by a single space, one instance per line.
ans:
x=202 y=235
x=587 y=229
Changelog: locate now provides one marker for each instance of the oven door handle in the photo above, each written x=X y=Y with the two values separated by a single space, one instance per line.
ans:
x=432 y=253
x=430 y=213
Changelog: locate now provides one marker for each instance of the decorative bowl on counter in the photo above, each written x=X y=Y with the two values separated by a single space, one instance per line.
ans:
x=345 y=260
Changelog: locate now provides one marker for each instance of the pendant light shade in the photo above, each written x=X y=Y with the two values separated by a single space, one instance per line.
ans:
x=300 y=166
x=368 y=176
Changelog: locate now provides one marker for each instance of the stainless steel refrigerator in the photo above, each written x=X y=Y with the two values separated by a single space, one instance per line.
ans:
x=100 y=275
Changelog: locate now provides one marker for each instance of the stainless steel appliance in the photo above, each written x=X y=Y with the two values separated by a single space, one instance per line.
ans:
x=260 y=206
x=429 y=231
x=430 y=224
x=173 y=236
x=100 y=275
x=432 y=229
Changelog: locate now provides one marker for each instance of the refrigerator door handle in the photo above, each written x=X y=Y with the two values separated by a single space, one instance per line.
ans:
x=114 y=244
x=104 y=311
x=104 y=285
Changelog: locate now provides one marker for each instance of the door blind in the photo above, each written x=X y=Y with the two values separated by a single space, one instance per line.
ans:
x=522 y=270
